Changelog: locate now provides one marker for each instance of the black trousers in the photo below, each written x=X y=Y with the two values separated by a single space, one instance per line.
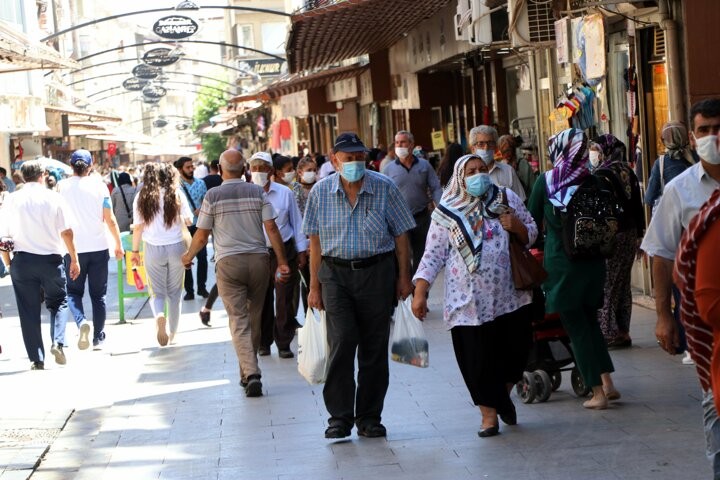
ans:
x=202 y=268
x=492 y=355
x=417 y=237
x=278 y=316
x=358 y=304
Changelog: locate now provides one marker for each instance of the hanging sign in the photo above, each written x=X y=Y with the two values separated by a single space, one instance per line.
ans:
x=151 y=101
x=145 y=72
x=175 y=27
x=154 y=91
x=134 y=84
x=182 y=126
x=160 y=57
x=160 y=123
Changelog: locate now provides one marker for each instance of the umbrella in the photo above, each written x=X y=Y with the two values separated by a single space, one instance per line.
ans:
x=52 y=163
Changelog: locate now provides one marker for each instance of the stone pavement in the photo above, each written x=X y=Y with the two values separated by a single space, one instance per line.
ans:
x=136 y=411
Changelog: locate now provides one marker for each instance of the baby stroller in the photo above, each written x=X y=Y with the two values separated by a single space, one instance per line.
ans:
x=550 y=355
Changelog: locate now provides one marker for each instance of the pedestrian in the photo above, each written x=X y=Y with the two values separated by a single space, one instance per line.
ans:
x=123 y=196
x=483 y=142
x=17 y=180
x=213 y=179
x=307 y=176
x=615 y=314
x=201 y=171
x=680 y=202
x=357 y=222
x=447 y=165
x=278 y=316
x=88 y=199
x=508 y=152
x=574 y=288
x=195 y=190
x=419 y=185
x=236 y=213
x=161 y=214
x=8 y=182
x=488 y=318
x=39 y=222
x=677 y=158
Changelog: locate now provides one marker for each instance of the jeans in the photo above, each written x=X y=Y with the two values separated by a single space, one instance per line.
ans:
x=31 y=275
x=94 y=268
x=202 y=268
x=711 y=425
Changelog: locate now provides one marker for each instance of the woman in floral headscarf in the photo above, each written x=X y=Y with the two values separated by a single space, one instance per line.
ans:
x=574 y=288
x=489 y=320
x=614 y=316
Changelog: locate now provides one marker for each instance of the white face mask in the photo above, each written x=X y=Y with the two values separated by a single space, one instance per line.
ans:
x=308 y=177
x=401 y=152
x=594 y=158
x=259 y=178
x=289 y=177
x=707 y=149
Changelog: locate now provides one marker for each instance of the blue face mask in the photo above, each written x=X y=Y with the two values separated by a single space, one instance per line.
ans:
x=487 y=155
x=353 y=171
x=477 y=185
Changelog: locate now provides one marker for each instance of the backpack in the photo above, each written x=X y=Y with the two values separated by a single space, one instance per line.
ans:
x=591 y=220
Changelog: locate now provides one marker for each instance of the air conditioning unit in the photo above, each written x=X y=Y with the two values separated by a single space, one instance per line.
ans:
x=531 y=23
x=487 y=27
x=462 y=20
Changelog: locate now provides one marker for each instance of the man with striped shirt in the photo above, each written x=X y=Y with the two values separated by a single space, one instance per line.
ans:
x=357 y=222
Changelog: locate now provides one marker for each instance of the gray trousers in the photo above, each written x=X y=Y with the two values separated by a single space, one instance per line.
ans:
x=165 y=273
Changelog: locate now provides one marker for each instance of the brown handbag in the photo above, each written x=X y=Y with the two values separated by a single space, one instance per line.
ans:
x=527 y=272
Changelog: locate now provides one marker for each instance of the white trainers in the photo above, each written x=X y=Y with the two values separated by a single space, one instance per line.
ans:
x=84 y=341
x=687 y=359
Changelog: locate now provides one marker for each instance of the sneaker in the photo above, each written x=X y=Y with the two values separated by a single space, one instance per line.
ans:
x=687 y=359
x=57 y=351
x=162 y=336
x=264 y=351
x=203 y=293
x=84 y=341
x=286 y=353
x=205 y=317
x=253 y=387
x=98 y=341
x=37 y=366
x=189 y=296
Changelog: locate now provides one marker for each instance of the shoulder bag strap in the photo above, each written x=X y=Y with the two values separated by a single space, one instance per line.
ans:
x=122 y=194
x=189 y=197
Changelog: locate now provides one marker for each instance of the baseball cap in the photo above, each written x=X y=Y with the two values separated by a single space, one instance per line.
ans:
x=264 y=156
x=81 y=156
x=349 y=143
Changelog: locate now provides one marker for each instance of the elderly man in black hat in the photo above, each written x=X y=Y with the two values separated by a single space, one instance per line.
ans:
x=357 y=222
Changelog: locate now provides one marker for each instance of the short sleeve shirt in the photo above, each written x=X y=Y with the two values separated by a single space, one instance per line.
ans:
x=87 y=197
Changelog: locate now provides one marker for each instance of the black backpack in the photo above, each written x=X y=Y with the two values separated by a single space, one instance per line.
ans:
x=591 y=220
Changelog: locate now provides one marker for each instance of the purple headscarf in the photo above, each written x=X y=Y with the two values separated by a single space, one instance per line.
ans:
x=569 y=156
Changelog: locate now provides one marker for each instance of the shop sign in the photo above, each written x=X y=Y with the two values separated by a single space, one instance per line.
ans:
x=160 y=123
x=134 y=84
x=21 y=113
x=151 y=101
x=266 y=67
x=406 y=93
x=295 y=104
x=160 y=57
x=342 y=90
x=175 y=27
x=145 y=72
x=154 y=91
x=438 y=140
x=451 y=132
x=366 y=91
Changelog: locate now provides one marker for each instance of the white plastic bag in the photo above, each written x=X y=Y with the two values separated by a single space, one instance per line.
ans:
x=313 y=348
x=408 y=341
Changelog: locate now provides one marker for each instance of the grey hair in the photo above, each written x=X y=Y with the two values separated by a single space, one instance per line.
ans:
x=409 y=135
x=232 y=167
x=483 y=130
x=32 y=170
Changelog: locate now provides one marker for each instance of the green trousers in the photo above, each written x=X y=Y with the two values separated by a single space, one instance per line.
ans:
x=588 y=344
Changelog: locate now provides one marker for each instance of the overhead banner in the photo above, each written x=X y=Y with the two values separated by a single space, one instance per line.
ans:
x=175 y=27
x=145 y=72
x=160 y=57
x=134 y=84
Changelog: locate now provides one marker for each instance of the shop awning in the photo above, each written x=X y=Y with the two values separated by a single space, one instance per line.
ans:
x=297 y=83
x=90 y=116
x=18 y=52
x=336 y=31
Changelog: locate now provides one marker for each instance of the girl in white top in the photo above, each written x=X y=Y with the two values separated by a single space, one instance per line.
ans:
x=161 y=215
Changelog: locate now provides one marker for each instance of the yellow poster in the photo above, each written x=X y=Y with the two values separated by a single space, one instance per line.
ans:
x=438 y=140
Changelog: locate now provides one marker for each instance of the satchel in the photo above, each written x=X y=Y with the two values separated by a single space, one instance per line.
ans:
x=527 y=272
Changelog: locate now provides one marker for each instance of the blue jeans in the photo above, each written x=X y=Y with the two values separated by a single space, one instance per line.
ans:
x=31 y=276
x=94 y=268
x=711 y=424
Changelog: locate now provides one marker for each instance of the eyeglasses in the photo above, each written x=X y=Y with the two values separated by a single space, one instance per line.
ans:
x=481 y=144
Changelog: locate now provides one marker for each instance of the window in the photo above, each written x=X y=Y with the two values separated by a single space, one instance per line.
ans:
x=12 y=11
x=273 y=37
x=244 y=37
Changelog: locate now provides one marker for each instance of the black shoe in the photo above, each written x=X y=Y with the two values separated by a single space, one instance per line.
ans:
x=509 y=418
x=286 y=353
x=374 y=430
x=98 y=341
x=264 y=351
x=338 y=431
x=189 y=296
x=37 y=366
x=205 y=317
x=489 y=432
x=253 y=387
x=203 y=293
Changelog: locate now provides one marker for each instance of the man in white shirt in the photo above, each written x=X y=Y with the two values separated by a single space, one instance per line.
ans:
x=38 y=221
x=89 y=201
x=483 y=142
x=680 y=202
x=279 y=322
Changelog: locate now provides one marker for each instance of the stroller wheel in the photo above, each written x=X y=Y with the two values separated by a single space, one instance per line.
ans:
x=556 y=379
x=525 y=388
x=578 y=384
x=543 y=385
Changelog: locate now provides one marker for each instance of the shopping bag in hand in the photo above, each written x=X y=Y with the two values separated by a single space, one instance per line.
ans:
x=408 y=342
x=313 y=348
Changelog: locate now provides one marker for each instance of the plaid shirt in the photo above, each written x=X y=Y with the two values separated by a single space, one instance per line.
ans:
x=368 y=229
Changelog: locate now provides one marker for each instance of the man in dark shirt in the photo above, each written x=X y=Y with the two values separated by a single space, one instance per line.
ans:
x=213 y=179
